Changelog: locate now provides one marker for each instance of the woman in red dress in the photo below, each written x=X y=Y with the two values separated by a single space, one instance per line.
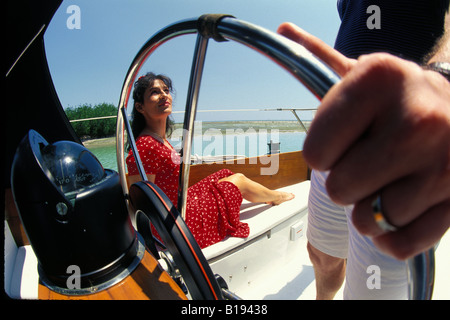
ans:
x=213 y=204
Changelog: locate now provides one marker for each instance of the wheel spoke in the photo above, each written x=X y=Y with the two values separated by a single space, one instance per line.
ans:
x=189 y=117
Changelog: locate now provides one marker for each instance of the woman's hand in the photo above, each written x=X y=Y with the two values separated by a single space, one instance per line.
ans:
x=384 y=129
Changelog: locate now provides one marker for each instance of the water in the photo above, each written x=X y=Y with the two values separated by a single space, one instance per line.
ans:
x=248 y=143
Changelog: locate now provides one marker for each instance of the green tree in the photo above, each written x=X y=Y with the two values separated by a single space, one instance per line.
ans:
x=93 y=129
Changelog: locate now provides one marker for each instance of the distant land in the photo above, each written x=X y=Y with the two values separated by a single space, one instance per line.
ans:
x=281 y=125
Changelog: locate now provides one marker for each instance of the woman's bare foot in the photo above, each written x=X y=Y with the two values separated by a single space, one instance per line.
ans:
x=283 y=196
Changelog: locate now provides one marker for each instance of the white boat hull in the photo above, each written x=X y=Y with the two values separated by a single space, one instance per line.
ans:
x=272 y=263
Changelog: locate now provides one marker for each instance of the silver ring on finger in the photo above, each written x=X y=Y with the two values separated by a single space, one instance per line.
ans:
x=379 y=217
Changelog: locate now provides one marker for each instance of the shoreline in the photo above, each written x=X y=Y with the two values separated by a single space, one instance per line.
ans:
x=100 y=142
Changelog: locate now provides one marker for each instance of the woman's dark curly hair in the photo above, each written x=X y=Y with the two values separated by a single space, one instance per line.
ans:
x=138 y=123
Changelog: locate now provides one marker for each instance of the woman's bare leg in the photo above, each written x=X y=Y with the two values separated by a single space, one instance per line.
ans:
x=255 y=192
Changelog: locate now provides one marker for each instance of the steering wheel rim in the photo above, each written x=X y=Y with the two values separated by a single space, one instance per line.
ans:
x=151 y=201
x=297 y=60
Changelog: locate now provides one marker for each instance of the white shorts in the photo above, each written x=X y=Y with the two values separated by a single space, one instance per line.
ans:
x=370 y=274
x=327 y=222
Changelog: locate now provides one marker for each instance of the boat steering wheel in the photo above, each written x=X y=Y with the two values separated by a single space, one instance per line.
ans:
x=150 y=201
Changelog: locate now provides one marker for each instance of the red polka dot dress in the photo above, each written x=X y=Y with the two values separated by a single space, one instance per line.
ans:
x=212 y=208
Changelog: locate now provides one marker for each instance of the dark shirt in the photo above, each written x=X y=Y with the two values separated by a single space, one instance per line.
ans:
x=408 y=28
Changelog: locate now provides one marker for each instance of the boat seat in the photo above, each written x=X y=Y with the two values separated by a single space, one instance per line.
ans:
x=21 y=274
x=262 y=218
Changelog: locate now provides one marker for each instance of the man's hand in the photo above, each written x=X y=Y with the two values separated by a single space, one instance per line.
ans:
x=384 y=129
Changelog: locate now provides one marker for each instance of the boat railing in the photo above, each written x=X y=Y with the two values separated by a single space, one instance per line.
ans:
x=293 y=110
x=94 y=118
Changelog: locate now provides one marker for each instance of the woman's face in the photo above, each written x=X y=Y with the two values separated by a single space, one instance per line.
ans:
x=157 y=101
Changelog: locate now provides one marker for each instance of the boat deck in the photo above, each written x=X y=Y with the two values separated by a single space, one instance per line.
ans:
x=271 y=263
x=278 y=269
x=264 y=266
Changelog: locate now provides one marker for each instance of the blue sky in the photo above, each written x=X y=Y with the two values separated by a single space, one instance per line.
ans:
x=88 y=65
